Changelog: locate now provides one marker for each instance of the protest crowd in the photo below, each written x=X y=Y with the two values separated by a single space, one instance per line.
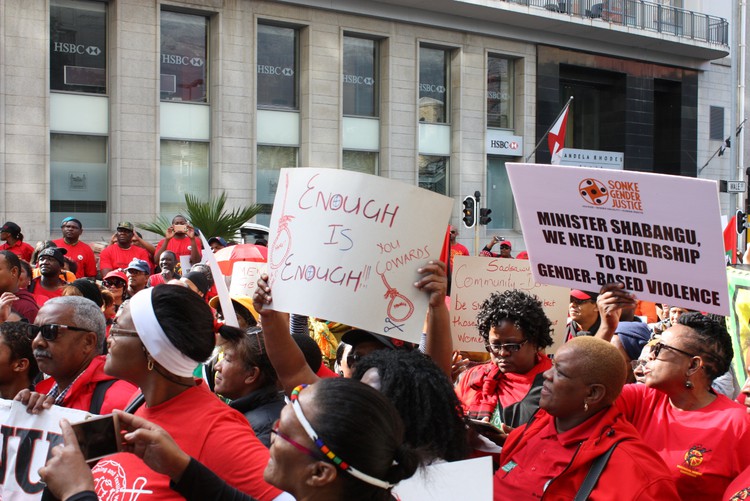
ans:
x=639 y=401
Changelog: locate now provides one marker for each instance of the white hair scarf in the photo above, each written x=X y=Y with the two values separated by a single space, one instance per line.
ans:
x=155 y=339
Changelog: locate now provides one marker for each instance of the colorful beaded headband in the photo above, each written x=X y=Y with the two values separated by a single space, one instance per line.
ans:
x=324 y=448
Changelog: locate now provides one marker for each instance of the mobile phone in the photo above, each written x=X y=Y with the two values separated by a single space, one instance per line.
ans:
x=180 y=228
x=98 y=436
x=484 y=426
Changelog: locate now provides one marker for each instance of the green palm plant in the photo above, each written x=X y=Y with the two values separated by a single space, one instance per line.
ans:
x=208 y=216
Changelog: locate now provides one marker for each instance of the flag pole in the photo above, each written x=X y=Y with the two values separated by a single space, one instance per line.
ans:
x=550 y=128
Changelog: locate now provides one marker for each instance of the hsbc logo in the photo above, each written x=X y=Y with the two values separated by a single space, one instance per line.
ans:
x=267 y=69
x=182 y=60
x=358 y=80
x=439 y=89
x=72 y=48
x=506 y=145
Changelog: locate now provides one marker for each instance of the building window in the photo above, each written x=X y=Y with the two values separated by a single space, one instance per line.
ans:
x=360 y=78
x=184 y=50
x=277 y=67
x=79 y=179
x=78 y=46
x=499 y=194
x=360 y=161
x=499 y=92
x=271 y=159
x=183 y=169
x=433 y=84
x=433 y=173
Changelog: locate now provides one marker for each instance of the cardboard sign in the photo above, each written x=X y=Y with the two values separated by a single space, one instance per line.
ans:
x=245 y=276
x=475 y=278
x=346 y=247
x=27 y=439
x=469 y=479
x=659 y=235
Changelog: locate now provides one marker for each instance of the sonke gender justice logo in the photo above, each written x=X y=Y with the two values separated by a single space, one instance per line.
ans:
x=623 y=194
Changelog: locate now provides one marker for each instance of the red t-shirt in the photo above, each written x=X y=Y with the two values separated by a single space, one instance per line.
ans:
x=739 y=488
x=181 y=246
x=458 y=250
x=42 y=295
x=205 y=428
x=20 y=249
x=82 y=255
x=115 y=257
x=704 y=449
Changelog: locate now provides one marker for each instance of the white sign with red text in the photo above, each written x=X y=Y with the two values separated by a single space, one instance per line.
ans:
x=475 y=278
x=346 y=247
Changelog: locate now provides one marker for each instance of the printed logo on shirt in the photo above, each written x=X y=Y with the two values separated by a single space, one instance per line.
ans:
x=741 y=495
x=509 y=466
x=80 y=257
x=693 y=458
x=110 y=482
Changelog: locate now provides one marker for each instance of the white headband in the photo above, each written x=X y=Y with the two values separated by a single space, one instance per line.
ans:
x=155 y=340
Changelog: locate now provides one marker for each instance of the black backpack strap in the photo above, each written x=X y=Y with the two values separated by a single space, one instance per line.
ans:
x=594 y=473
x=98 y=398
x=135 y=404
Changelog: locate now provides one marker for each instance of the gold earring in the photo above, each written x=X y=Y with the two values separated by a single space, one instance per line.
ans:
x=585 y=407
x=150 y=365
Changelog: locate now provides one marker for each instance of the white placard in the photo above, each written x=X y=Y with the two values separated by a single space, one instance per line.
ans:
x=470 y=479
x=660 y=235
x=245 y=276
x=27 y=439
x=475 y=278
x=346 y=247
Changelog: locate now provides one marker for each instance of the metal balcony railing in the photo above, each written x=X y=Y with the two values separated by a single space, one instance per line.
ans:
x=641 y=14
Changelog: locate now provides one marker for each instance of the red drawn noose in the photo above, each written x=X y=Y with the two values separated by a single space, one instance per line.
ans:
x=392 y=293
x=283 y=228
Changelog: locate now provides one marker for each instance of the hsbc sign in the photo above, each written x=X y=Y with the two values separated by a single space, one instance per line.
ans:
x=182 y=60
x=72 y=48
x=504 y=143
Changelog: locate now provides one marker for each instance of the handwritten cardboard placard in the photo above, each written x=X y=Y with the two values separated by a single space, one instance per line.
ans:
x=346 y=247
x=245 y=276
x=469 y=479
x=475 y=278
x=659 y=235
x=26 y=446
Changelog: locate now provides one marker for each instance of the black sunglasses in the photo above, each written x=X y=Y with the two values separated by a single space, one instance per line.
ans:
x=657 y=347
x=51 y=331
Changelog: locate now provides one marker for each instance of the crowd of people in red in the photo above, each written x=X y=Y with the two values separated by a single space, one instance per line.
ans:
x=630 y=407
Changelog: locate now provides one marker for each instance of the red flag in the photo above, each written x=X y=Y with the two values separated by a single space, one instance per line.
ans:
x=730 y=240
x=556 y=136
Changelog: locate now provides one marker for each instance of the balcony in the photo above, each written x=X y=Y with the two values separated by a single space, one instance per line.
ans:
x=641 y=14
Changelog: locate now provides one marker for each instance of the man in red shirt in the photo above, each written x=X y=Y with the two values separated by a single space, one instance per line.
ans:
x=68 y=347
x=48 y=284
x=122 y=252
x=11 y=234
x=78 y=251
x=181 y=240
x=457 y=249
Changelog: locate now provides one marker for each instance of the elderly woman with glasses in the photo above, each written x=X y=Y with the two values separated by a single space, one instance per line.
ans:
x=159 y=338
x=505 y=390
x=703 y=437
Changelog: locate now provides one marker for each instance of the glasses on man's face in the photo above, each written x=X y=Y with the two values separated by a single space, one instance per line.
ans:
x=579 y=302
x=50 y=332
x=496 y=349
x=656 y=348
x=113 y=284
x=313 y=454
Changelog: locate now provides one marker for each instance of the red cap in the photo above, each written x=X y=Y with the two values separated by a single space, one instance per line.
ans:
x=117 y=274
x=583 y=295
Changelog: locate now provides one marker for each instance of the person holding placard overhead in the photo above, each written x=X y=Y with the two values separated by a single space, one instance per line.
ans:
x=505 y=391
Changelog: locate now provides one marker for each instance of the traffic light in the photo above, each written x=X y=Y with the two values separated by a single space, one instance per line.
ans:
x=742 y=222
x=484 y=216
x=470 y=214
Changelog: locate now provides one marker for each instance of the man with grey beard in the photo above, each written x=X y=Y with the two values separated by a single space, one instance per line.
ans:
x=68 y=346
